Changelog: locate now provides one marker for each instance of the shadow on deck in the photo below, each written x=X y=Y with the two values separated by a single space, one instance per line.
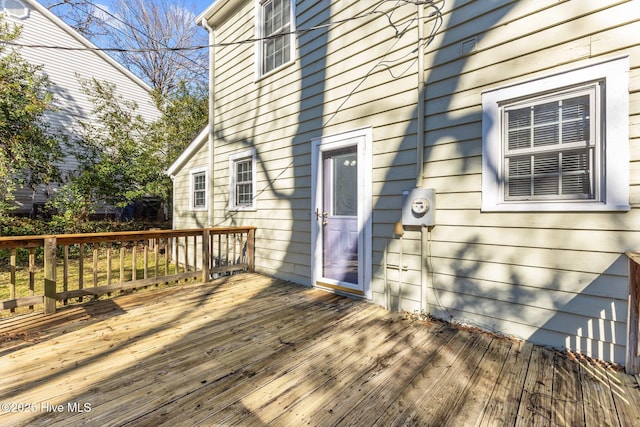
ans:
x=251 y=350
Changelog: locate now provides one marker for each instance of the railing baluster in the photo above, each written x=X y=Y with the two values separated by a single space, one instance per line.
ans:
x=195 y=253
x=186 y=254
x=134 y=264
x=219 y=251
x=156 y=256
x=32 y=273
x=80 y=268
x=65 y=271
x=177 y=256
x=234 y=242
x=167 y=255
x=12 y=282
x=146 y=259
x=95 y=265
x=226 y=253
x=205 y=256
x=109 y=263
x=122 y=250
x=50 y=275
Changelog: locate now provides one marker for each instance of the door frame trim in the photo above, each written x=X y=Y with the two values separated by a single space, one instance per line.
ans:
x=363 y=141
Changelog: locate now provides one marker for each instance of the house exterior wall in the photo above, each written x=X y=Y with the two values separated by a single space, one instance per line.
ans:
x=184 y=216
x=65 y=70
x=556 y=278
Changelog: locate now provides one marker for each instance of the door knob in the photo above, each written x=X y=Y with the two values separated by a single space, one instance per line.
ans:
x=322 y=215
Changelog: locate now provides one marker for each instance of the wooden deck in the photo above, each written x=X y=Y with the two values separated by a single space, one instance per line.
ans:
x=249 y=350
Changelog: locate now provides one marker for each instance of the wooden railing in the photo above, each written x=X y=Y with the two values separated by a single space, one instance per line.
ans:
x=52 y=270
x=632 y=362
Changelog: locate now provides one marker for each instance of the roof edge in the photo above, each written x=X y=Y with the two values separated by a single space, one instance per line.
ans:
x=193 y=146
x=217 y=10
x=82 y=39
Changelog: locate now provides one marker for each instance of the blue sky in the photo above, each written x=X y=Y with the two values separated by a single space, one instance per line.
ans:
x=201 y=5
x=195 y=6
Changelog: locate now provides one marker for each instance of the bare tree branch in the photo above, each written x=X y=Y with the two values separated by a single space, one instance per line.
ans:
x=143 y=30
x=158 y=25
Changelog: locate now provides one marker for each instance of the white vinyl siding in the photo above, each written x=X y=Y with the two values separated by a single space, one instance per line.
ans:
x=183 y=189
x=555 y=277
x=70 y=61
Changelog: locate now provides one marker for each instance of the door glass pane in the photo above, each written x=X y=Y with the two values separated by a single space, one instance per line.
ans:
x=345 y=185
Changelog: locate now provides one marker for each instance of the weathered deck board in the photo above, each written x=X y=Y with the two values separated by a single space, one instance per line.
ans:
x=627 y=404
x=507 y=392
x=251 y=350
x=535 y=403
x=597 y=397
x=483 y=380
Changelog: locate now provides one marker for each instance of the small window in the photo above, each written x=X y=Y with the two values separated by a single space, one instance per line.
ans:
x=558 y=143
x=199 y=190
x=15 y=9
x=274 y=25
x=242 y=181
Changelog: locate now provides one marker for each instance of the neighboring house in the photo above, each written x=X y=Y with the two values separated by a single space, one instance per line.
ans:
x=523 y=116
x=75 y=59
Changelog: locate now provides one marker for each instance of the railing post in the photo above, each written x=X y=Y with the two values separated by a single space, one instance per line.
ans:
x=205 y=255
x=251 y=235
x=632 y=362
x=50 y=275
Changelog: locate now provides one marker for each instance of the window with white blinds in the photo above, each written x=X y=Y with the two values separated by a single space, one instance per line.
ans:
x=551 y=146
x=558 y=142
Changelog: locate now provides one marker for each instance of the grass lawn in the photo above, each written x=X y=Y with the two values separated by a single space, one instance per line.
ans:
x=95 y=265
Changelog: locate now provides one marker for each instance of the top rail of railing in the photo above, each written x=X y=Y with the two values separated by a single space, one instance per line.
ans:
x=11 y=242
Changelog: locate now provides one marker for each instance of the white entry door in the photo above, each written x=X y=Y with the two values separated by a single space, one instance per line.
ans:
x=341 y=212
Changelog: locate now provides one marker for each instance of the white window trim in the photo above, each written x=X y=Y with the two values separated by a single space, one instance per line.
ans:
x=615 y=162
x=259 y=29
x=233 y=158
x=192 y=173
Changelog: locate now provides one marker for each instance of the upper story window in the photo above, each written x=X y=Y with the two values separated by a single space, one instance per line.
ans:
x=558 y=143
x=275 y=27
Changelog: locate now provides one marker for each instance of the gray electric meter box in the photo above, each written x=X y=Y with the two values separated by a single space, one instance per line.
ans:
x=419 y=207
